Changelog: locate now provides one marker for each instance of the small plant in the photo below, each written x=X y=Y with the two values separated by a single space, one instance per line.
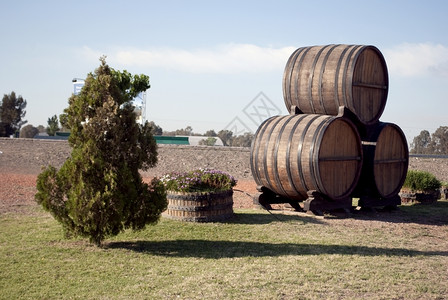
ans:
x=200 y=180
x=421 y=181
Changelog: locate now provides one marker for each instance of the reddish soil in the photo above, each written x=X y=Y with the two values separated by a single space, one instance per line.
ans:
x=243 y=194
x=17 y=191
x=21 y=161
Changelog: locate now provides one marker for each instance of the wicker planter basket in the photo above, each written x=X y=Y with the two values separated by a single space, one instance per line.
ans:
x=200 y=207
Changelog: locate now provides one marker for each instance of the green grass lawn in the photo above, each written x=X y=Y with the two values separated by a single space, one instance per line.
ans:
x=256 y=255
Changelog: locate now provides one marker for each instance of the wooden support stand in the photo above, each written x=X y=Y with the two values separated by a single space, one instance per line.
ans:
x=317 y=203
x=372 y=202
x=266 y=197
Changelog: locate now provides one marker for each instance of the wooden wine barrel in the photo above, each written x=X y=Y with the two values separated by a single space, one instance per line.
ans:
x=319 y=79
x=293 y=154
x=386 y=159
x=200 y=207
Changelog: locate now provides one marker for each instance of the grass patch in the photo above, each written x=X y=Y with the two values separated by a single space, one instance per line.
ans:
x=254 y=256
x=434 y=213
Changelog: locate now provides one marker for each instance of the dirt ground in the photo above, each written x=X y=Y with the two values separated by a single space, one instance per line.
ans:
x=19 y=170
x=21 y=161
x=17 y=191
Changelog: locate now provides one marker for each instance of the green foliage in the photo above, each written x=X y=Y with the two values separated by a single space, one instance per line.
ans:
x=29 y=131
x=63 y=119
x=41 y=128
x=188 y=131
x=421 y=181
x=53 y=125
x=244 y=140
x=12 y=111
x=437 y=143
x=156 y=130
x=99 y=192
x=210 y=133
x=201 y=180
x=422 y=143
x=210 y=141
x=6 y=129
x=439 y=140
x=226 y=137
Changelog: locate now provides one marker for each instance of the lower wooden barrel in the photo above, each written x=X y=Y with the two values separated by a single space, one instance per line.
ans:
x=386 y=159
x=200 y=207
x=293 y=154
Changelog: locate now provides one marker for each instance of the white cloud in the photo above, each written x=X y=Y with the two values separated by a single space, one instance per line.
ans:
x=417 y=60
x=230 y=58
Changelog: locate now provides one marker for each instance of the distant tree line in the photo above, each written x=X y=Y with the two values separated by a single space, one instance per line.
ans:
x=435 y=143
x=227 y=136
x=12 y=113
x=29 y=131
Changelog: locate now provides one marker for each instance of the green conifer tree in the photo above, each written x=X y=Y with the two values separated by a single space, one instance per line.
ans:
x=99 y=192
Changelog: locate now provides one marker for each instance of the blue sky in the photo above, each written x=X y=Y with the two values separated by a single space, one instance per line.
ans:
x=211 y=62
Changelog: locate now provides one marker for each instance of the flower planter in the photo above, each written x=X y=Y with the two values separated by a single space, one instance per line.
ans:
x=444 y=193
x=200 y=207
x=427 y=197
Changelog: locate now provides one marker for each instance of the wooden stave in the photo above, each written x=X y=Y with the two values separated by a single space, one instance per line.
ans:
x=343 y=84
x=298 y=183
x=200 y=207
x=368 y=184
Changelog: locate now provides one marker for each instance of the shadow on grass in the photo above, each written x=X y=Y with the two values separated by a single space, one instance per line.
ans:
x=266 y=217
x=424 y=214
x=233 y=249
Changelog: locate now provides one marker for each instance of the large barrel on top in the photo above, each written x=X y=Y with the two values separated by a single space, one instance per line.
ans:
x=386 y=159
x=293 y=154
x=319 y=79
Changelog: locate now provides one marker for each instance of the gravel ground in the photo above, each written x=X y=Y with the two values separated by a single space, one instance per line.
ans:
x=21 y=160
